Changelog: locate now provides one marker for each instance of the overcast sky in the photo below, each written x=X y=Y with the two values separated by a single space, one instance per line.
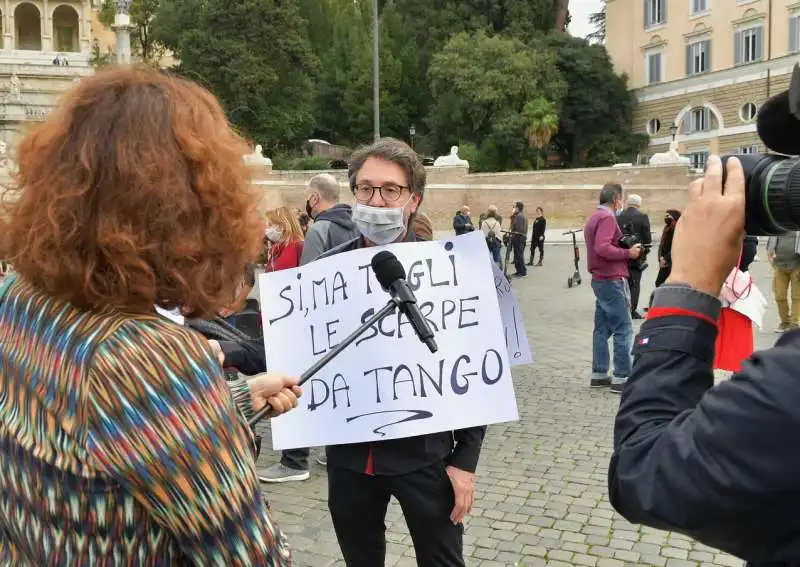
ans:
x=580 y=10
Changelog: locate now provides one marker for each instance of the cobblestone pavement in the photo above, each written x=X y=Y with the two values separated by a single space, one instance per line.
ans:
x=541 y=496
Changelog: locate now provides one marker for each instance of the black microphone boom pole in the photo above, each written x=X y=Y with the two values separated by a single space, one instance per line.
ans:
x=387 y=309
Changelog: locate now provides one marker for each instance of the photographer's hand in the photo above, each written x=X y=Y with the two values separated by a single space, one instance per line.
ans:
x=708 y=236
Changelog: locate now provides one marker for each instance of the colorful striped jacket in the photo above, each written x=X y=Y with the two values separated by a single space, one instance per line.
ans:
x=121 y=444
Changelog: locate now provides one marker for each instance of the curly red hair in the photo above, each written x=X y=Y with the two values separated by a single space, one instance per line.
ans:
x=133 y=193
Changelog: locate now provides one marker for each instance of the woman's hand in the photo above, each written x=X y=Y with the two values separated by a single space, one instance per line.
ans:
x=280 y=392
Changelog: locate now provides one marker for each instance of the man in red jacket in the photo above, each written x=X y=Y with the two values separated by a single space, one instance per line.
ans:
x=608 y=264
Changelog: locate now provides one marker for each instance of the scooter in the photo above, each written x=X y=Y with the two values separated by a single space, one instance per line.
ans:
x=575 y=279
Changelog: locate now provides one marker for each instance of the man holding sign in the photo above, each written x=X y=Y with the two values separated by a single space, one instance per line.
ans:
x=378 y=447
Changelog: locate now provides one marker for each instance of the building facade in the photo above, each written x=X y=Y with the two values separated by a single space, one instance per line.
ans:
x=701 y=69
x=46 y=47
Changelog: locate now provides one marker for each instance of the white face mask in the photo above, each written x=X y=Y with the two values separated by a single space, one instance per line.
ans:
x=381 y=225
x=273 y=234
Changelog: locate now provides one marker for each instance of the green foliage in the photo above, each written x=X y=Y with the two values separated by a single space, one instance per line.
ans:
x=100 y=59
x=143 y=14
x=597 y=110
x=255 y=56
x=481 y=85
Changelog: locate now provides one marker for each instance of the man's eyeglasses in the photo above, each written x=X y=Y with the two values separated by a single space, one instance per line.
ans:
x=389 y=192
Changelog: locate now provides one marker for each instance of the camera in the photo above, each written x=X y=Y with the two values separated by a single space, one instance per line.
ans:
x=772 y=182
x=629 y=240
x=772 y=193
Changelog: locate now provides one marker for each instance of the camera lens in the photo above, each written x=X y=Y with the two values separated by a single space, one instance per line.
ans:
x=772 y=193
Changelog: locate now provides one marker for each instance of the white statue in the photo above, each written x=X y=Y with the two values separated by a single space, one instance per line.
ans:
x=15 y=88
x=257 y=157
x=451 y=160
x=670 y=157
x=123 y=6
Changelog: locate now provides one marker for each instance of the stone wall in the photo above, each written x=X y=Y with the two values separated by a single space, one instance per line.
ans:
x=567 y=196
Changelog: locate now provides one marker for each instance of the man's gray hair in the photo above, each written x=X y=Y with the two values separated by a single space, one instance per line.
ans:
x=327 y=186
x=609 y=192
x=395 y=151
x=634 y=200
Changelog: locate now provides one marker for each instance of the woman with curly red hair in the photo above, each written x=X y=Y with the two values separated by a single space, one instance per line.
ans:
x=119 y=437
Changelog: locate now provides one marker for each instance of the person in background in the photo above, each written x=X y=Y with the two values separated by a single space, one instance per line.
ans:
x=462 y=222
x=519 y=234
x=665 y=246
x=305 y=221
x=120 y=441
x=333 y=225
x=492 y=232
x=636 y=223
x=422 y=226
x=286 y=239
x=537 y=236
x=608 y=264
x=783 y=252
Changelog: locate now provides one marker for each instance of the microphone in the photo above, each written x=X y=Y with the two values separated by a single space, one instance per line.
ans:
x=392 y=277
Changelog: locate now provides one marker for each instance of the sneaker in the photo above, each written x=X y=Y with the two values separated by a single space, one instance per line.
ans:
x=322 y=460
x=539 y=265
x=617 y=388
x=599 y=381
x=282 y=473
x=782 y=328
x=636 y=315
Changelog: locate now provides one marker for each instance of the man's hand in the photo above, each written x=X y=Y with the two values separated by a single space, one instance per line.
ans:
x=770 y=257
x=708 y=236
x=280 y=392
x=635 y=251
x=662 y=262
x=464 y=491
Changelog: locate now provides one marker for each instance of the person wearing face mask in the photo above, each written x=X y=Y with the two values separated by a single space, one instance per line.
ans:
x=431 y=476
x=608 y=264
x=285 y=239
x=665 y=246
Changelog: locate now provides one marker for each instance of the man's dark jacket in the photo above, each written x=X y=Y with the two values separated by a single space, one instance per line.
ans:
x=634 y=221
x=331 y=228
x=719 y=464
x=462 y=224
x=460 y=448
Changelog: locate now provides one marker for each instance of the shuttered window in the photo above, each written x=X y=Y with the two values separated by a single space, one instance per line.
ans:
x=655 y=12
x=698 y=58
x=748 y=45
x=794 y=34
x=654 y=68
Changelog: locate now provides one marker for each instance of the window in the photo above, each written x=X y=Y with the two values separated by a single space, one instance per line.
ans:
x=748 y=112
x=654 y=68
x=699 y=120
x=655 y=13
x=747 y=150
x=794 y=34
x=653 y=126
x=698 y=58
x=698 y=159
x=748 y=45
x=699 y=6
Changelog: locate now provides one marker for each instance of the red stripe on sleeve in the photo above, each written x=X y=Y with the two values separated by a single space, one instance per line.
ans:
x=655 y=312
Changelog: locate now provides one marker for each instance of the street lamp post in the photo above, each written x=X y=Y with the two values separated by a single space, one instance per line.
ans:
x=376 y=71
x=122 y=27
x=673 y=130
x=412 y=132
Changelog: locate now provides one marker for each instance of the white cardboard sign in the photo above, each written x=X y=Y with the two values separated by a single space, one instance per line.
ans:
x=387 y=384
x=519 y=349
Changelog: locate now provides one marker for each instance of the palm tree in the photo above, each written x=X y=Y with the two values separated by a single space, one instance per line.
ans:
x=541 y=119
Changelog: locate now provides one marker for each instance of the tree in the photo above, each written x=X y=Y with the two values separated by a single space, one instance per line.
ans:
x=596 y=113
x=598 y=20
x=562 y=15
x=142 y=14
x=541 y=118
x=254 y=55
x=480 y=86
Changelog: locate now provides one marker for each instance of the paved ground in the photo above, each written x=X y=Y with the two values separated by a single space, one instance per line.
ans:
x=541 y=497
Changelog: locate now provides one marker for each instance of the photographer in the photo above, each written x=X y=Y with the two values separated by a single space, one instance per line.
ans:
x=635 y=227
x=719 y=464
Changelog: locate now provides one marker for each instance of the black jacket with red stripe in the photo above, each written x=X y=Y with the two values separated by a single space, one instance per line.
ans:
x=720 y=464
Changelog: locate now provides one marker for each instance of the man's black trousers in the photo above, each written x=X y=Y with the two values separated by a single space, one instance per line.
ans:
x=358 y=504
x=635 y=283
